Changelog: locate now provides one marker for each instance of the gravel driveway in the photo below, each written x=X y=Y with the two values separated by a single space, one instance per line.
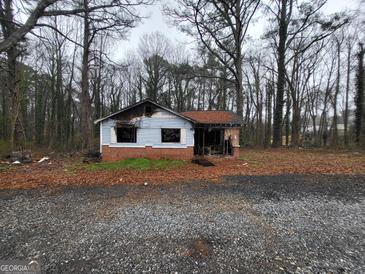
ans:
x=271 y=224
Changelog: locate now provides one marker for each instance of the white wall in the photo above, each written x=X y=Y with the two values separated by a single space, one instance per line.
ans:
x=149 y=131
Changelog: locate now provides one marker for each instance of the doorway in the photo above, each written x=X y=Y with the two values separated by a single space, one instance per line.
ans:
x=210 y=141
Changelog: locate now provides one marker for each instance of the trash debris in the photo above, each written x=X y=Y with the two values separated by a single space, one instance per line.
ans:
x=23 y=156
x=92 y=156
x=43 y=159
x=145 y=184
x=202 y=162
x=16 y=162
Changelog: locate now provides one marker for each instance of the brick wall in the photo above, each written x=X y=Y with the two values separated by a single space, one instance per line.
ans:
x=119 y=153
x=236 y=152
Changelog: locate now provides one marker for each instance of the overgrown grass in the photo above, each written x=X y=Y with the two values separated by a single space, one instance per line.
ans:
x=138 y=163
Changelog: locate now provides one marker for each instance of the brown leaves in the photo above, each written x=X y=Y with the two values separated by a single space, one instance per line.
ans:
x=253 y=162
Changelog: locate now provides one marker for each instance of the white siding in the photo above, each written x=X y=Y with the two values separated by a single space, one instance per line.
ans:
x=149 y=131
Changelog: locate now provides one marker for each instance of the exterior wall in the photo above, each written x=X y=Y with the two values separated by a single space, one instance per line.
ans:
x=236 y=152
x=119 y=153
x=148 y=137
x=235 y=137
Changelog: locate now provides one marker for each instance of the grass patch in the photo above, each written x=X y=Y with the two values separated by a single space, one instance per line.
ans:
x=138 y=163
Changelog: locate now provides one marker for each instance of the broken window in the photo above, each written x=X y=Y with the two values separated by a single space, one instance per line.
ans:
x=126 y=134
x=170 y=135
x=148 y=110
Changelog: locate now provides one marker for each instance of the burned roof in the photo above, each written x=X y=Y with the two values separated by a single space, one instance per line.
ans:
x=214 y=117
x=199 y=118
x=138 y=104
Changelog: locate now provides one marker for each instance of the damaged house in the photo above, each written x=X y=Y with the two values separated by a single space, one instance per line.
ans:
x=147 y=129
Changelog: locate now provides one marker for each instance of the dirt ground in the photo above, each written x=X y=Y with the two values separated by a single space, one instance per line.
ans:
x=244 y=224
x=61 y=172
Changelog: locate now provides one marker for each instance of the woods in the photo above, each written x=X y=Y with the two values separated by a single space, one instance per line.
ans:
x=300 y=83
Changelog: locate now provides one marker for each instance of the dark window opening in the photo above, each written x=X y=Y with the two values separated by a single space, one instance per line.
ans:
x=126 y=134
x=148 y=110
x=170 y=135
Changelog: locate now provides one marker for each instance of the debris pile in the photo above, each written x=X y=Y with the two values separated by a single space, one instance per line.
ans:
x=20 y=157
x=92 y=156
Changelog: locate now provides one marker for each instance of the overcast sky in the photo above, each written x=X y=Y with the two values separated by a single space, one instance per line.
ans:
x=157 y=22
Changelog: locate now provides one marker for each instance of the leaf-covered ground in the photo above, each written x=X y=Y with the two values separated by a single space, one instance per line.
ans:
x=67 y=171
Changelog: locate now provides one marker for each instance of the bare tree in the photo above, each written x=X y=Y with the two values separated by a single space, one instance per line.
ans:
x=360 y=96
x=221 y=26
x=154 y=49
x=294 y=19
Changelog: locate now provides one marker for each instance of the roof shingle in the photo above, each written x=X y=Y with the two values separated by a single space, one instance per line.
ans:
x=213 y=117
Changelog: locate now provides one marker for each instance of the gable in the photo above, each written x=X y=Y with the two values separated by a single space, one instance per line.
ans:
x=139 y=110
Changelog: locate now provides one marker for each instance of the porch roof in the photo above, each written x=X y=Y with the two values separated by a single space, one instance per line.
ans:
x=214 y=117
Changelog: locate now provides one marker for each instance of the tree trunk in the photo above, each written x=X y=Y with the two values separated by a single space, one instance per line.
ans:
x=85 y=100
x=268 y=114
x=296 y=125
x=13 y=90
x=359 y=100
x=337 y=91
x=287 y=120
x=278 y=114
x=346 y=114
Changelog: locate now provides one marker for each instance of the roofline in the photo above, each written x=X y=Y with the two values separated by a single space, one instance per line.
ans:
x=240 y=120
x=218 y=125
x=142 y=102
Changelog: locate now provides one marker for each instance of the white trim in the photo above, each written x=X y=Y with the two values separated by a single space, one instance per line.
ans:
x=126 y=145
x=170 y=146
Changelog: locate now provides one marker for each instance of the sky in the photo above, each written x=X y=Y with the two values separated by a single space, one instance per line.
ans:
x=156 y=21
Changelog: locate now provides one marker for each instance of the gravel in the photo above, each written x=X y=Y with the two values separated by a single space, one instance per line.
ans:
x=267 y=224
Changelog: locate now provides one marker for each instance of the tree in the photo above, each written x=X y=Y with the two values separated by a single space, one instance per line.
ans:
x=359 y=99
x=296 y=20
x=106 y=18
x=10 y=40
x=285 y=8
x=8 y=28
x=221 y=26
x=154 y=49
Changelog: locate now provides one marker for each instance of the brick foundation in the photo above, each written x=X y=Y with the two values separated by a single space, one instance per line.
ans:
x=120 y=153
x=236 y=152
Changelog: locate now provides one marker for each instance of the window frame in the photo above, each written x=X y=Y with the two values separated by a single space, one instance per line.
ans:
x=166 y=142
x=134 y=141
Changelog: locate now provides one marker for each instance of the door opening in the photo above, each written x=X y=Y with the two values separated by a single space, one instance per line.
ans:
x=211 y=141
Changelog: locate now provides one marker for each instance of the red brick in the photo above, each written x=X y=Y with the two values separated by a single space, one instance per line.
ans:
x=236 y=152
x=120 y=153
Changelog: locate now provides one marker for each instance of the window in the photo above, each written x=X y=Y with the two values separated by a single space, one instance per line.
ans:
x=126 y=134
x=170 y=135
x=148 y=110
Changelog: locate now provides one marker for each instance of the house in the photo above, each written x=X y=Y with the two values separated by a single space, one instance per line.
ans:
x=147 y=129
